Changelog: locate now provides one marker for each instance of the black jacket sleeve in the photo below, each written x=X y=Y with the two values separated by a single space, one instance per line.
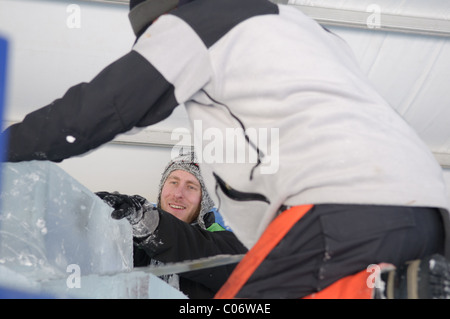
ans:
x=129 y=92
x=175 y=240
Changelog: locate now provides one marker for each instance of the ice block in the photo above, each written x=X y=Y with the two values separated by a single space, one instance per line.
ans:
x=57 y=238
x=49 y=221
x=128 y=285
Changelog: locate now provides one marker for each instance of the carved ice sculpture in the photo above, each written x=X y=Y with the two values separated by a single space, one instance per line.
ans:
x=56 y=237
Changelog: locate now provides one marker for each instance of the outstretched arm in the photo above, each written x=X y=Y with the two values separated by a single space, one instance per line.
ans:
x=129 y=92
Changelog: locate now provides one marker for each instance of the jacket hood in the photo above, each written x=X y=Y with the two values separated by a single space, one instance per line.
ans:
x=144 y=12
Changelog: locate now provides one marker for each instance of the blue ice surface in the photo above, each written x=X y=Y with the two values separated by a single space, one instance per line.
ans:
x=3 y=75
x=10 y=293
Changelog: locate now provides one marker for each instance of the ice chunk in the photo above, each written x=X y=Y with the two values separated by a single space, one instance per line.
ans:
x=49 y=221
x=58 y=239
x=136 y=285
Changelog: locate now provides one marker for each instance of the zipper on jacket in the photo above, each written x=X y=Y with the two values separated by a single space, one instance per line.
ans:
x=259 y=153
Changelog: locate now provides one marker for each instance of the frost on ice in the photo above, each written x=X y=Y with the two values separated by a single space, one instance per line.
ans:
x=50 y=223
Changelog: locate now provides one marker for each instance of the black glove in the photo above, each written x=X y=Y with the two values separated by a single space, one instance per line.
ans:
x=129 y=207
x=142 y=215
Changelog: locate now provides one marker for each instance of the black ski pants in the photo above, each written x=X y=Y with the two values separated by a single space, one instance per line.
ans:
x=333 y=241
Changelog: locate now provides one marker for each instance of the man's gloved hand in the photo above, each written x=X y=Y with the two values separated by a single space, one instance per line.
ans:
x=141 y=214
x=129 y=207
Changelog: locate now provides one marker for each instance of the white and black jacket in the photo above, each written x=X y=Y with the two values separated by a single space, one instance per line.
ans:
x=250 y=65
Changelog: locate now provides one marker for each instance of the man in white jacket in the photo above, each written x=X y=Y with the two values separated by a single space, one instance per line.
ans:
x=369 y=184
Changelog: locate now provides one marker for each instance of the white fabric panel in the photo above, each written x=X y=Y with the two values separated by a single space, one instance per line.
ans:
x=177 y=52
x=409 y=70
